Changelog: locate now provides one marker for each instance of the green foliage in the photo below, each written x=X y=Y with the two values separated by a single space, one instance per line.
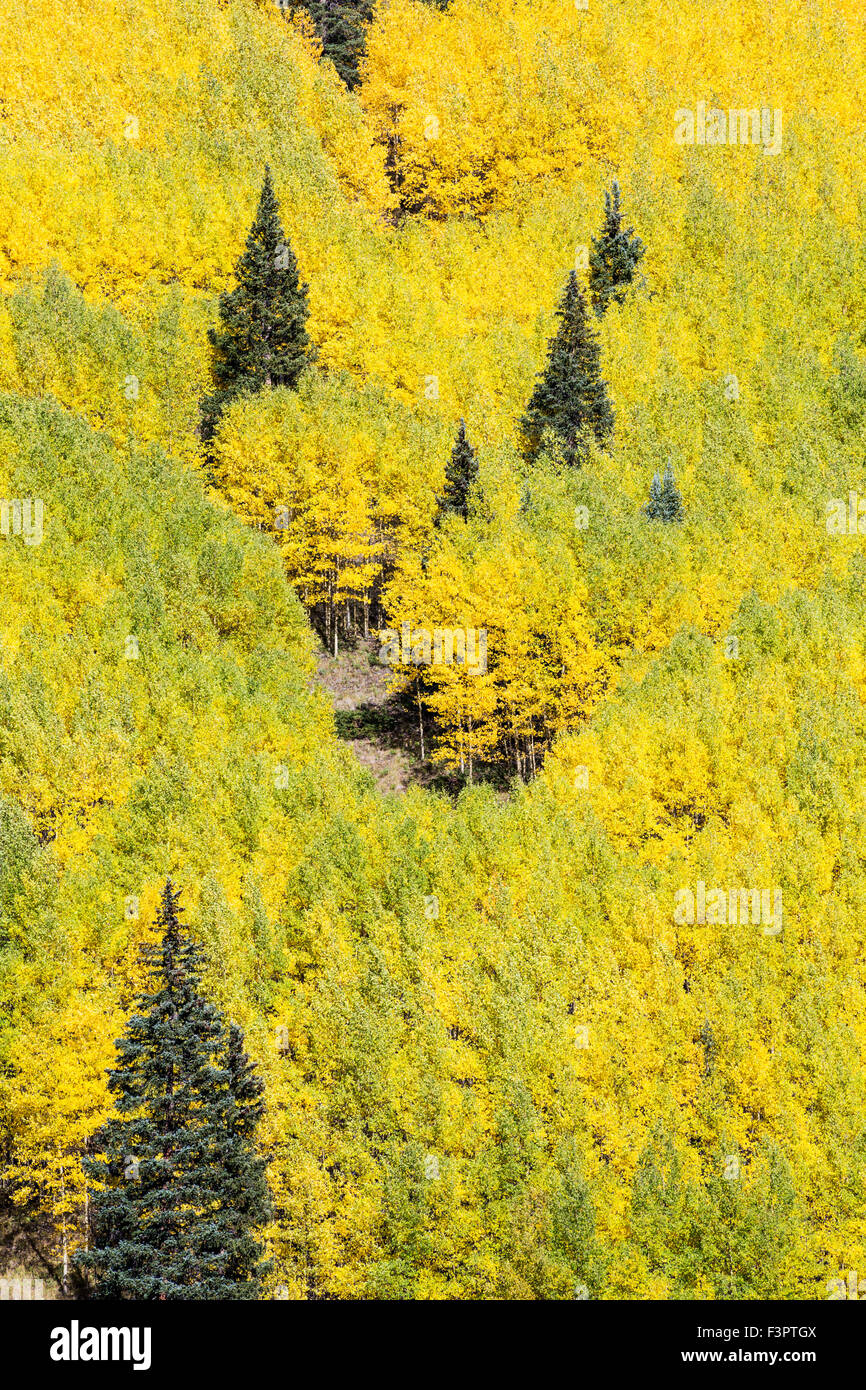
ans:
x=461 y=478
x=654 y=506
x=19 y=853
x=341 y=25
x=570 y=400
x=262 y=338
x=138 y=383
x=614 y=258
x=181 y=1187
x=665 y=502
x=726 y=1234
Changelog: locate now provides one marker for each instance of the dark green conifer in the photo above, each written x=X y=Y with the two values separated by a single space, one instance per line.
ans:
x=654 y=506
x=614 y=258
x=262 y=338
x=665 y=502
x=342 y=27
x=183 y=1188
x=570 y=398
x=671 y=501
x=461 y=476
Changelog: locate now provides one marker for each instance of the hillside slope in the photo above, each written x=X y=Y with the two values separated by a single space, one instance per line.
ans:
x=498 y=1064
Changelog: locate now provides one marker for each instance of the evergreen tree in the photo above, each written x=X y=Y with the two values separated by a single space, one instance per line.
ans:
x=570 y=398
x=672 y=502
x=243 y=1186
x=461 y=475
x=183 y=1187
x=654 y=506
x=614 y=258
x=665 y=502
x=262 y=338
x=341 y=24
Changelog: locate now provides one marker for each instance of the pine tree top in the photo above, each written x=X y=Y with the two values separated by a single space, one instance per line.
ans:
x=570 y=397
x=341 y=26
x=261 y=339
x=615 y=255
x=665 y=502
x=461 y=476
x=671 y=501
x=175 y=956
x=654 y=506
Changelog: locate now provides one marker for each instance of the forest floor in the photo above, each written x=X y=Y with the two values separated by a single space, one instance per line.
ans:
x=381 y=729
x=27 y=1254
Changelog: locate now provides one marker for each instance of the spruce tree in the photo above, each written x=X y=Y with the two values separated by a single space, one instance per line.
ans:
x=665 y=502
x=570 y=398
x=615 y=256
x=182 y=1187
x=461 y=475
x=654 y=506
x=341 y=26
x=262 y=338
x=671 y=501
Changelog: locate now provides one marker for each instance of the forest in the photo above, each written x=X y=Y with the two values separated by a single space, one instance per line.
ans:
x=413 y=351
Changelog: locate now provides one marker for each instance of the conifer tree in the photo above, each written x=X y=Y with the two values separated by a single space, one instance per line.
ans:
x=614 y=258
x=671 y=501
x=654 y=506
x=262 y=338
x=570 y=398
x=461 y=475
x=666 y=503
x=182 y=1187
x=340 y=24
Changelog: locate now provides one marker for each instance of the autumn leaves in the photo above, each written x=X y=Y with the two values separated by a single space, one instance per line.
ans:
x=349 y=497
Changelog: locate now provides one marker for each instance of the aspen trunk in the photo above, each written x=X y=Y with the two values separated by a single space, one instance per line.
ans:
x=64 y=1283
x=420 y=719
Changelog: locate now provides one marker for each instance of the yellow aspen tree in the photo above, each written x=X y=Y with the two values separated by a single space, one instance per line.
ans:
x=52 y=1100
